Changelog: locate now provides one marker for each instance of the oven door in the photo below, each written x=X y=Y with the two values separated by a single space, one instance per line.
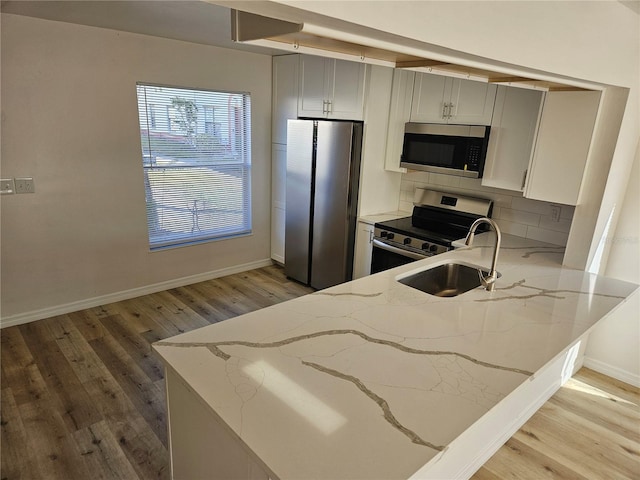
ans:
x=385 y=256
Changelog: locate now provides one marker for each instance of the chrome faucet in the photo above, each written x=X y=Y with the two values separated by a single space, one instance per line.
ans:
x=489 y=281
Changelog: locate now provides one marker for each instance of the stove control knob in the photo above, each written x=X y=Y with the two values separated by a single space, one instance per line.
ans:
x=383 y=234
x=390 y=236
x=407 y=241
x=425 y=246
x=433 y=248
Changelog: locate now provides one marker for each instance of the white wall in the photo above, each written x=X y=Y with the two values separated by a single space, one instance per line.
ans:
x=613 y=345
x=70 y=120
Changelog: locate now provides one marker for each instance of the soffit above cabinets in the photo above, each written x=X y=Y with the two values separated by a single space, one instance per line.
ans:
x=260 y=30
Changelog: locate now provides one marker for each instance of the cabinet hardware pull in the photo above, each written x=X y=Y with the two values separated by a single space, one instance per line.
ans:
x=524 y=178
x=450 y=110
x=444 y=110
x=329 y=106
x=324 y=106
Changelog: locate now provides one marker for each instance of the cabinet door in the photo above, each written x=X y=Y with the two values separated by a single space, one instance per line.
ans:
x=278 y=200
x=363 y=250
x=562 y=146
x=277 y=234
x=431 y=93
x=346 y=90
x=399 y=114
x=278 y=175
x=471 y=102
x=513 y=130
x=193 y=429
x=285 y=95
x=313 y=73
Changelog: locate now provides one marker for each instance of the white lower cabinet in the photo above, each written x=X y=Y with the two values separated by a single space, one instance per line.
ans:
x=562 y=146
x=363 y=250
x=200 y=444
x=513 y=132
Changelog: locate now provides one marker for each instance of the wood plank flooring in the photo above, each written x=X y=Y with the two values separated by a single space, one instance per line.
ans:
x=590 y=429
x=82 y=395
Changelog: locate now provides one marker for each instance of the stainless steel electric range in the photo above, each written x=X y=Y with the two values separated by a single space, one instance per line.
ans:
x=438 y=219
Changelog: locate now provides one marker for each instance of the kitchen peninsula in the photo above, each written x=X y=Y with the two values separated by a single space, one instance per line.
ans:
x=375 y=379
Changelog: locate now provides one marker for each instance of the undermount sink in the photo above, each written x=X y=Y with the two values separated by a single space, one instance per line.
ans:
x=446 y=280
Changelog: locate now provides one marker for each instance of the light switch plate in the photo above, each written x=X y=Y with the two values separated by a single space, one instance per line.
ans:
x=7 y=187
x=25 y=185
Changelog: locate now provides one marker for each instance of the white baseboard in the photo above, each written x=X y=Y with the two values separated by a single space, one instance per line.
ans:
x=34 y=315
x=613 y=372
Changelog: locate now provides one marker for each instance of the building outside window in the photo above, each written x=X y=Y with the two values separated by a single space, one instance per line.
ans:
x=197 y=164
x=211 y=125
x=152 y=117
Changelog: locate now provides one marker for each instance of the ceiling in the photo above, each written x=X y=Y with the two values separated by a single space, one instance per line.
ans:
x=191 y=21
x=206 y=23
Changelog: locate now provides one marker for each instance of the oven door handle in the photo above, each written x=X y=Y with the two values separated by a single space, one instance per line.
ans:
x=399 y=251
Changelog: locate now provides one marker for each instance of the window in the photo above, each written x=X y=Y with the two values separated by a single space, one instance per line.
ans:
x=210 y=125
x=197 y=164
x=152 y=116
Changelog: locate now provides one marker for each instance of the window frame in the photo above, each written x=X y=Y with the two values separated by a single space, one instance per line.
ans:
x=244 y=166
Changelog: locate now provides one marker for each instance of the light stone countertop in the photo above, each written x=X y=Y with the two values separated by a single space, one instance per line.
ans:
x=372 y=378
x=383 y=217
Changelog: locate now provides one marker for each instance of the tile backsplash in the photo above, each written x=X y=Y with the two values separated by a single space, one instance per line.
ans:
x=514 y=214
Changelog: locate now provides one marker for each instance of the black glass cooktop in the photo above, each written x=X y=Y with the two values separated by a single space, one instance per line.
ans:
x=432 y=224
x=403 y=226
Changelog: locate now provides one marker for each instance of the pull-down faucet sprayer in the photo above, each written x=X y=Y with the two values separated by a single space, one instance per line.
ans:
x=489 y=281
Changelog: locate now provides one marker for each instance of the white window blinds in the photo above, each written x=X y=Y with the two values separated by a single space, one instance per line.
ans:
x=196 y=156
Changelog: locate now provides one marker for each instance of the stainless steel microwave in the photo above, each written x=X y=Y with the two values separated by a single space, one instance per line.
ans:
x=450 y=149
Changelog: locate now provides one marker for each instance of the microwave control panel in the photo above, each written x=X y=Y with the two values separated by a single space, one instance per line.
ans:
x=473 y=157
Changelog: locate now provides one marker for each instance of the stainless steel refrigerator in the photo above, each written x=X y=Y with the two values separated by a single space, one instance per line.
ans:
x=323 y=170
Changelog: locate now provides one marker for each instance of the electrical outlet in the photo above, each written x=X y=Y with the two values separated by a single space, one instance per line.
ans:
x=25 y=185
x=6 y=186
x=555 y=212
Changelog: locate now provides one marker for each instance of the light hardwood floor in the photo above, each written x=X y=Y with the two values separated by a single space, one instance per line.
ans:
x=83 y=394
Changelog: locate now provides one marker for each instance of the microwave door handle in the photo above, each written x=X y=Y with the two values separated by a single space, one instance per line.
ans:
x=399 y=251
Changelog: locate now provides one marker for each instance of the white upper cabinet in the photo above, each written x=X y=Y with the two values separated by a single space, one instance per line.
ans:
x=331 y=88
x=431 y=96
x=440 y=99
x=513 y=131
x=313 y=75
x=562 y=146
x=471 y=102
x=285 y=95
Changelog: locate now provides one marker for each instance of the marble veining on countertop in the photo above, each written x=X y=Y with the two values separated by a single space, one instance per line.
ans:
x=372 y=378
